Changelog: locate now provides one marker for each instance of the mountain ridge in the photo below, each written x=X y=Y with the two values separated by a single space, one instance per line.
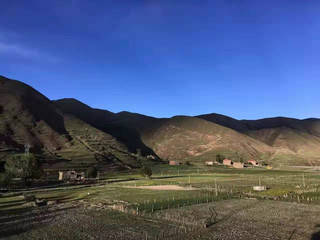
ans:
x=62 y=127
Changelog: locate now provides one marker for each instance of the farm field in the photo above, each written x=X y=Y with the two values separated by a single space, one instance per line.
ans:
x=178 y=202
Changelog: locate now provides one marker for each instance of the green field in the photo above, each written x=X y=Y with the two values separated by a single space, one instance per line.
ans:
x=192 y=187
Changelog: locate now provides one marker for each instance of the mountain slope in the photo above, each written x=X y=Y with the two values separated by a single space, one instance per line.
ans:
x=225 y=121
x=75 y=134
x=297 y=140
x=176 y=138
x=188 y=138
x=28 y=117
x=310 y=126
x=93 y=146
x=116 y=125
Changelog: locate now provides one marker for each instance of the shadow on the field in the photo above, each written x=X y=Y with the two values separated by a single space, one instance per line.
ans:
x=17 y=222
x=316 y=235
x=167 y=177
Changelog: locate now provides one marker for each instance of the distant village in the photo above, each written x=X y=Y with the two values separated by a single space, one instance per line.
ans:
x=227 y=162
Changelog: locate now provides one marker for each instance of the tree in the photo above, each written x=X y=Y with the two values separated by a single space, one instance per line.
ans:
x=92 y=172
x=25 y=166
x=139 y=154
x=146 y=171
x=188 y=163
x=219 y=158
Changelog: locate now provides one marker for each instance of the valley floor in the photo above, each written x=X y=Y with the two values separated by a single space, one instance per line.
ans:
x=179 y=202
x=236 y=219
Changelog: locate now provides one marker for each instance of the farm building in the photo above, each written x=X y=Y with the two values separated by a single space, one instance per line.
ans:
x=253 y=162
x=209 y=163
x=174 y=163
x=71 y=175
x=227 y=162
x=238 y=165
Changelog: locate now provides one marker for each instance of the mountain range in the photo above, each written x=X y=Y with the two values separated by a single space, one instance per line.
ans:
x=68 y=133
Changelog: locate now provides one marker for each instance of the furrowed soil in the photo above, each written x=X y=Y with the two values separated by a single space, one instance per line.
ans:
x=228 y=219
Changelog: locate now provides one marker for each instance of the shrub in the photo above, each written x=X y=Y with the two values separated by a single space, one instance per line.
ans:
x=26 y=167
x=92 y=172
x=220 y=158
x=188 y=163
x=146 y=171
x=5 y=179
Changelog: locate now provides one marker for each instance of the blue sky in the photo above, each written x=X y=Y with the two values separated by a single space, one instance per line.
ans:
x=247 y=59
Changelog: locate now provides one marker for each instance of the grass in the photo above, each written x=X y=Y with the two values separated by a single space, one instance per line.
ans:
x=116 y=190
x=202 y=178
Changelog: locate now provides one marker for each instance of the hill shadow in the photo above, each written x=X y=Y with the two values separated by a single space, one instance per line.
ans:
x=107 y=122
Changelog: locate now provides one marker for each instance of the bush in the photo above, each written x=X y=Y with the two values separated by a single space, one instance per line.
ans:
x=188 y=163
x=26 y=167
x=219 y=158
x=146 y=171
x=5 y=180
x=2 y=179
x=92 y=172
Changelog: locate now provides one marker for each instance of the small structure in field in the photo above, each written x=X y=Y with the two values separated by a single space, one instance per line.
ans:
x=60 y=175
x=252 y=162
x=174 y=163
x=227 y=162
x=238 y=165
x=209 y=163
x=269 y=168
x=259 y=188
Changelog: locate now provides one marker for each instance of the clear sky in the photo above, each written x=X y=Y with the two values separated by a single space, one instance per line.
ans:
x=243 y=58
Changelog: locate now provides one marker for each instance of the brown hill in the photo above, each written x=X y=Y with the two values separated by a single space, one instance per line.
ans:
x=225 y=121
x=120 y=126
x=294 y=141
x=310 y=126
x=28 y=117
x=70 y=130
x=185 y=138
x=93 y=146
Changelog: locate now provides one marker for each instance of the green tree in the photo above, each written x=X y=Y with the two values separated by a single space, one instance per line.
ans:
x=146 y=171
x=219 y=158
x=92 y=172
x=26 y=167
x=2 y=179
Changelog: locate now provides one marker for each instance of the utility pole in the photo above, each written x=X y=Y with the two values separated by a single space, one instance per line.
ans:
x=259 y=181
x=216 y=186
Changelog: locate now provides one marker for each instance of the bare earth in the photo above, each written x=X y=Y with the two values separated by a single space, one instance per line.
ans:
x=235 y=220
